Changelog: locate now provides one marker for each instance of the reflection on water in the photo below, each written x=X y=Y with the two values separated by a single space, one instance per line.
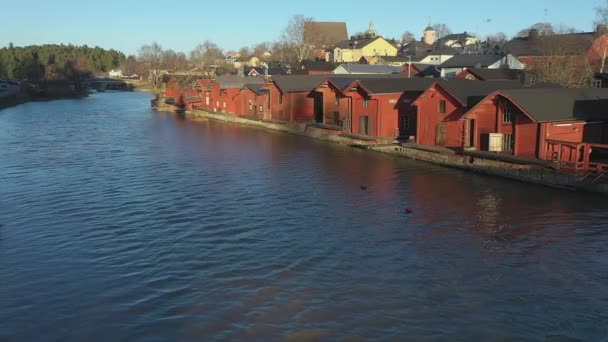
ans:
x=120 y=223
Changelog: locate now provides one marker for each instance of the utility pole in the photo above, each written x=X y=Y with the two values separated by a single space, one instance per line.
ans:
x=409 y=66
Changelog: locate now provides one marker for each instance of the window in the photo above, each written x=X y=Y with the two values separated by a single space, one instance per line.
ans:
x=596 y=83
x=337 y=101
x=441 y=108
x=217 y=103
x=224 y=104
x=507 y=115
x=507 y=142
x=365 y=104
x=405 y=122
x=280 y=98
x=207 y=100
x=250 y=105
x=261 y=107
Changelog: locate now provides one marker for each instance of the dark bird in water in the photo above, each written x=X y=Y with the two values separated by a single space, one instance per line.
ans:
x=363 y=187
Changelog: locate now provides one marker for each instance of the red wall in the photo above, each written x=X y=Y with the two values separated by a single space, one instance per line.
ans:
x=329 y=95
x=358 y=110
x=429 y=118
x=246 y=99
x=526 y=137
x=571 y=132
x=296 y=106
x=172 y=89
x=488 y=116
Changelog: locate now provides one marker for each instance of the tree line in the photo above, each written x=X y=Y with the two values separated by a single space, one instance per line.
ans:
x=39 y=63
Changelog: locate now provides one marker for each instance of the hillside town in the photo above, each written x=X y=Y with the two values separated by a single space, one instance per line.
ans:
x=453 y=95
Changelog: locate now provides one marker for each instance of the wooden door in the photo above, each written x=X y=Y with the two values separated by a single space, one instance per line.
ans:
x=441 y=135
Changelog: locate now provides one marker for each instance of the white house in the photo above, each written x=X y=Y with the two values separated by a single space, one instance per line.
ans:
x=458 y=63
x=117 y=73
x=458 y=40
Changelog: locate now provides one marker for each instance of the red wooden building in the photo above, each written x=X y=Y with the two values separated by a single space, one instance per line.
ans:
x=381 y=108
x=172 y=94
x=530 y=122
x=251 y=101
x=220 y=93
x=441 y=107
x=291 y=98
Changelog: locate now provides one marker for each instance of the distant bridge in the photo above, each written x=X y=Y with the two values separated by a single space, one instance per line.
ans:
x=105 y=83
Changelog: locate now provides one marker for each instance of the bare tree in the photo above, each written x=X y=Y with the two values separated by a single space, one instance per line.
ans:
x=407 y=37
x=601 y=14
x=258 y=50
x=299 y=37
x=207 y=54
x=601 y=45
x=563 y=63
x=441 y=30
x=283 y=52
x=244 y=52
x=153 y=57
x=497 y=38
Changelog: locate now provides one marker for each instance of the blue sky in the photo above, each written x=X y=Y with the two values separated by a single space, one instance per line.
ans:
x=182 y=24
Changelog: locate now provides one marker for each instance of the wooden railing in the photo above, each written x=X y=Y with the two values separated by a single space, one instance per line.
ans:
x=578 y=158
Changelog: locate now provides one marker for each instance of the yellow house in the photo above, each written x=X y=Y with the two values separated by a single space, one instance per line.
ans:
x=354 y=49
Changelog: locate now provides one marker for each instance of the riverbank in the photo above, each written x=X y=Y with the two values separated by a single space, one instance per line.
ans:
x=531 y=172
x=23 y=98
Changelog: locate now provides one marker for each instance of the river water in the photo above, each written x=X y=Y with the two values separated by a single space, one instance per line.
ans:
x=119 y=223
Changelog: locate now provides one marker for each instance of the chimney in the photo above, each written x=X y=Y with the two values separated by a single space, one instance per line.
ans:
x=601 y=30
x=533 y=34
x=266 y=72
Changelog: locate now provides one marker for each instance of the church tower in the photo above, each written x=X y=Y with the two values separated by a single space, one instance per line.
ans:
x=372 y=30
x=429 y=36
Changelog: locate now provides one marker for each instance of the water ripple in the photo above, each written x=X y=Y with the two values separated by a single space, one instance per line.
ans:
x=120 y=223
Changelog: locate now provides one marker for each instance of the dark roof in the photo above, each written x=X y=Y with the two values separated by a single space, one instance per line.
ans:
x=496 y=74
x=555 y=44
x=396 y=85
x=429 y=71
x=319 y=65
x=355 y=68
x=457 y=36
x=392 y=59
x=361 y=43
x=419 y=50
x=560 y=104
x=326 y=33
x=256 y=88
x=464 y=61
x=297 y=83
x=470 y=93
x=228 y=82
